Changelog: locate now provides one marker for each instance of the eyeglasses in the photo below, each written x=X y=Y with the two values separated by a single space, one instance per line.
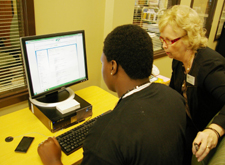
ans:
x=170 y=42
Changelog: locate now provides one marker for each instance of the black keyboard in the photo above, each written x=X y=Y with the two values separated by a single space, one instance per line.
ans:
x=73 y=139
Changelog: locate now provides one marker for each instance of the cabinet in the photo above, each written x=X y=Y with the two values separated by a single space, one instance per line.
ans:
x=206 y=10
x=146 y=15
x=221 y=23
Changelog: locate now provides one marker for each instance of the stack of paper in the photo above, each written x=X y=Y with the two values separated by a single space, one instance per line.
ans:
x=68 y=106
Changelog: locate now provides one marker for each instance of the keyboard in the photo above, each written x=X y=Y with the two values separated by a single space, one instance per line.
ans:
x=73 y=139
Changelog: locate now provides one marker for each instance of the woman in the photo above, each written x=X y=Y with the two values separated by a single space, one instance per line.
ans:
x=198 y=74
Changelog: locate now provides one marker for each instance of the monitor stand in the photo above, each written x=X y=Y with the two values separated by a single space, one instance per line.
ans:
x=52 y=100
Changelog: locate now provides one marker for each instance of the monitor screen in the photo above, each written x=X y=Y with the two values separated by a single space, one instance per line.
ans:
x=54 y=61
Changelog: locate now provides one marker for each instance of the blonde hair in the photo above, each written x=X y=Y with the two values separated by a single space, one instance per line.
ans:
x=187 y=19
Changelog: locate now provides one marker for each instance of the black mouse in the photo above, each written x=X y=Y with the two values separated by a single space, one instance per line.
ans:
x=9 y=139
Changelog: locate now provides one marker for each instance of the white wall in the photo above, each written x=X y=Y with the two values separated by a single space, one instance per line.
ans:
x=59 y=16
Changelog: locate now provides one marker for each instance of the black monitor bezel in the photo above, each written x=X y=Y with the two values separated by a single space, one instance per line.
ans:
x=27 y=68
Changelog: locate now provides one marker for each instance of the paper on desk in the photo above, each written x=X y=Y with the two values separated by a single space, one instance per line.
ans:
x=68 y=106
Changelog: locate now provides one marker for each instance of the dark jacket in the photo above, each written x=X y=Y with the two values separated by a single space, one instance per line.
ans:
x=147 y=127
x=206 y=97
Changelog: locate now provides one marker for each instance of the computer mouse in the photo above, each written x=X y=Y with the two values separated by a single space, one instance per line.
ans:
x=9 y=139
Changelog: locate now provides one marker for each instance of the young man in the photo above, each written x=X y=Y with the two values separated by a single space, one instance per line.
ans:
x=148 y=123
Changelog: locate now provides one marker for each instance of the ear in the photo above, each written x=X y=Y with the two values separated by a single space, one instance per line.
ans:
x=114 y=67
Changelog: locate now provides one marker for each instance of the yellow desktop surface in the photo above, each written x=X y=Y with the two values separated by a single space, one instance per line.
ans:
x=25 y=123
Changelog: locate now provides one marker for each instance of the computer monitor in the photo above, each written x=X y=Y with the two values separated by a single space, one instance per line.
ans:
x=52 y=63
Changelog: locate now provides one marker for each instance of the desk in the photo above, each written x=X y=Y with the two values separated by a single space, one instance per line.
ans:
x=23 y=122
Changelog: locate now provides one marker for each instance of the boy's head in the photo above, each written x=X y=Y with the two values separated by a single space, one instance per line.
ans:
x=131 y=47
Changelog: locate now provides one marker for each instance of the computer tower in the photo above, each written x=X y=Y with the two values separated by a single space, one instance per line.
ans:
x=54 y=120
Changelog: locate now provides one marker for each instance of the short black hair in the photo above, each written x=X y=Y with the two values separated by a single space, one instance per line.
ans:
x=131 y=47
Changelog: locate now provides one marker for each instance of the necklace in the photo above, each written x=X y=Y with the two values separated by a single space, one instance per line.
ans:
x=135 y=89
x=189 y=64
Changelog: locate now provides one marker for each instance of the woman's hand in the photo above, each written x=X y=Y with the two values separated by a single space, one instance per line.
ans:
x=50 y=152
x=206 y=140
